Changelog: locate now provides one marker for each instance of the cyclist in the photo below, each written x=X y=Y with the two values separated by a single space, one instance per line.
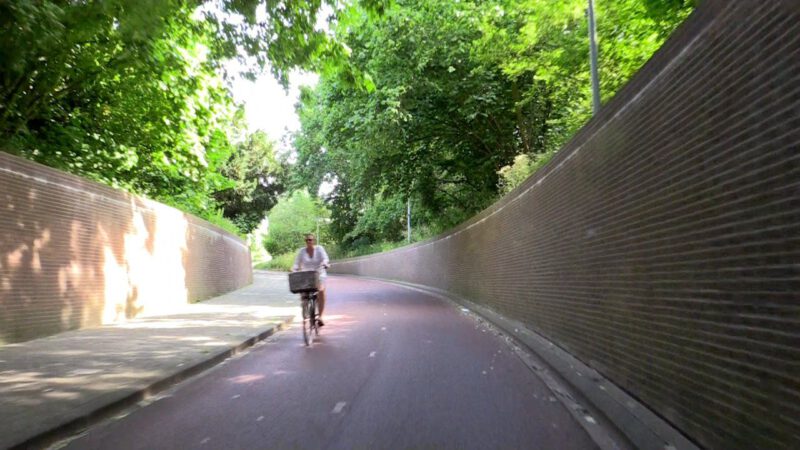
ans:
x=314 y=257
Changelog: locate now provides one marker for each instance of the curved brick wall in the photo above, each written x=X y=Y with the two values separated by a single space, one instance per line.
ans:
x=662 y=245
x=77 y=254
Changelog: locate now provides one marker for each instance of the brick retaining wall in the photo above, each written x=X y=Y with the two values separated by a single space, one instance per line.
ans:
x=661 y=246
x=78 y=254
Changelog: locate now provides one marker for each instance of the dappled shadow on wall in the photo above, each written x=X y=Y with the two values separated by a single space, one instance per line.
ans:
x=214 y=262
x=75 y=254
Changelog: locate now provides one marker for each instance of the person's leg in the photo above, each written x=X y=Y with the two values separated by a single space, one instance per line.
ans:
x=321 y=301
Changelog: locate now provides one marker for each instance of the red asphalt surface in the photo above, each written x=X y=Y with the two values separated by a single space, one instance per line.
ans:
x=393 y=368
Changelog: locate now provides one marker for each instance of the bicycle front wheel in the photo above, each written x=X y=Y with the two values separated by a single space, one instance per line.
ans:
x=308 y=320
x=312 y=314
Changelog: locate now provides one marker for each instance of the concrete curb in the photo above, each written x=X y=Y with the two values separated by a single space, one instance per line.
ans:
x=124 y=401
x=634 y=424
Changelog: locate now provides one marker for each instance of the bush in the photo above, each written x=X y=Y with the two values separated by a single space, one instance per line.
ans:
x=211 y=215
x=523 y=167
x=293 y=217
x=226 y=224
x=281 y=262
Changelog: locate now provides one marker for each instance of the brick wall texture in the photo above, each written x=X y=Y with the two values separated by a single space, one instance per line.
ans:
x=661 y=246
x=77 y=254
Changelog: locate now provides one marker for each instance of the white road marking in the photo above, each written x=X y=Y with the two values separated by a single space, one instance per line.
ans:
x=383 y=328
x=235 y=397
x=338 y=408
x=372 y=354
x=205 y=441
x=260 y=418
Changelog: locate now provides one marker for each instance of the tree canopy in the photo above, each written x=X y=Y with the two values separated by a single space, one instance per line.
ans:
x=133 y=93
x=458 y=91
x=443 y=105
x=294 y=216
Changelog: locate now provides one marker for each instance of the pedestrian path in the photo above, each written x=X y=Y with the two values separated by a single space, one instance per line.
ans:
x=62 y=383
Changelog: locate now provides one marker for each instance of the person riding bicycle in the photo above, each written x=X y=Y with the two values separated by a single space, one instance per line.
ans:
x=314 y=257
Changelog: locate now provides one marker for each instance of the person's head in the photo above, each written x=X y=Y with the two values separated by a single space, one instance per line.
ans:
x=310 y=239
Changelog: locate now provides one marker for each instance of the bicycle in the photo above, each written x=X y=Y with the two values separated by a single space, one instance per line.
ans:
x=310 y=314
x=306 y=283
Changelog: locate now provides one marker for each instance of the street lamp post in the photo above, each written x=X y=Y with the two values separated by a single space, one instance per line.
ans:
x=408 y=221
x=593 y=59
x=324 y=220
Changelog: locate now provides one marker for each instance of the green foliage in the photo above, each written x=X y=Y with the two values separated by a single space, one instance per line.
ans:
x=213 y=216
x=384 y=219
x=435 y=129
x=544 y=46
x=514 y=174
x=364 y=249
x=281 y=262
x=117 y=93
x=132 y=93
x=458 y=90
x=291 y=218
x=226 y=224
x=423 y=100
x=259 y=178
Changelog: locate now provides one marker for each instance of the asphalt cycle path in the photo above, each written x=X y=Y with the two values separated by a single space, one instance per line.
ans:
x=392 y=368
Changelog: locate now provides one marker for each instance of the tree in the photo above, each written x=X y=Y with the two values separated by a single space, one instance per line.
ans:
x=259 y=179
x=383 y=220
x=459 y=90
x=132 y=93
x=147 y=114
x=543 y=47
x=436 y=127
x=292 y=217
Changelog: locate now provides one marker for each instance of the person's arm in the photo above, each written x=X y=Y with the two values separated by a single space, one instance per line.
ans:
x=325 y=261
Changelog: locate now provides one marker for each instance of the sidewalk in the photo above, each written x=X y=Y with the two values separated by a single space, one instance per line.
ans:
x=56 y=385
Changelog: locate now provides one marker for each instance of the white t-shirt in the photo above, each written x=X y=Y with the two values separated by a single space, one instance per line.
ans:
x=315 y=262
